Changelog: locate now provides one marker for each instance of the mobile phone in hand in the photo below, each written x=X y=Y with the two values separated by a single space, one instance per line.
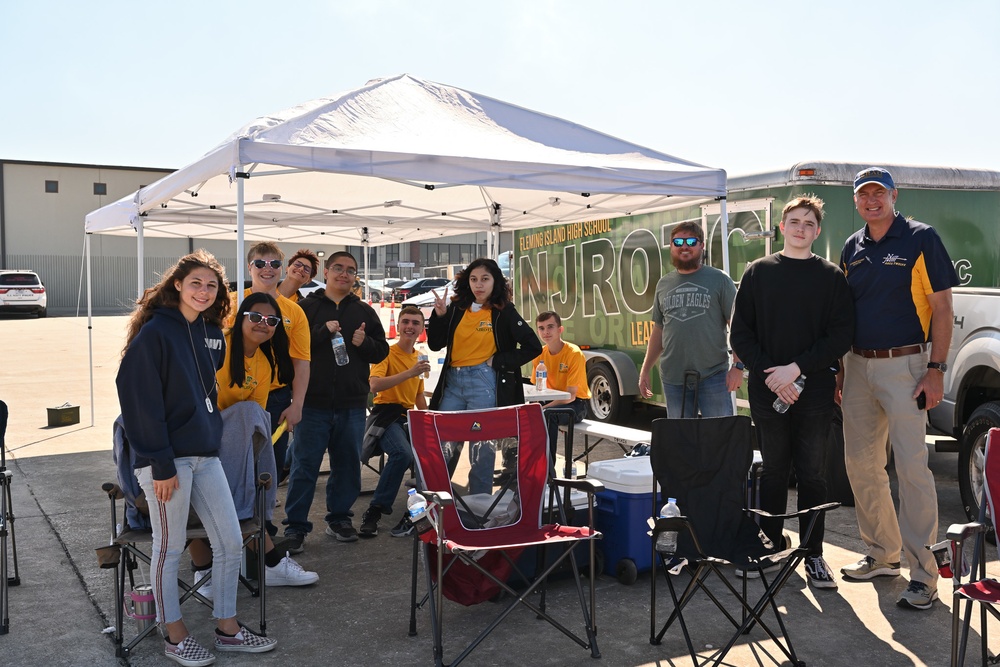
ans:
x=922 y=401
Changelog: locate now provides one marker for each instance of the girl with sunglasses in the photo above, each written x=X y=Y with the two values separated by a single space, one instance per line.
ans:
x=256 y=353
x=167 y=392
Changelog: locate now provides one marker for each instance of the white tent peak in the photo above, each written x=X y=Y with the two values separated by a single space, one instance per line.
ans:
x=456 y=161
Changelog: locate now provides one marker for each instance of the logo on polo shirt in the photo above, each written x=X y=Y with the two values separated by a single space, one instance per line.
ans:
x=894 y=260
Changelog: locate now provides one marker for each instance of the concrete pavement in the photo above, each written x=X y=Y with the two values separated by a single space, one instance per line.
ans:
x=357 y=614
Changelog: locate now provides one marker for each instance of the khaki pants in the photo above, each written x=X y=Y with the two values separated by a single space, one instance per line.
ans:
x=878 y=403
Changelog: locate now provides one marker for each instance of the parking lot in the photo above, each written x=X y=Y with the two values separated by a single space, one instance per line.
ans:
x=357 y=614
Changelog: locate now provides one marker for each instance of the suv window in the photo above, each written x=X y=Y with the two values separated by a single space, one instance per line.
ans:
x=19 y=280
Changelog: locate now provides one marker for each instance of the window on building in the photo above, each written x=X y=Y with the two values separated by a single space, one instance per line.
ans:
x=100 y=188
x=52 y=186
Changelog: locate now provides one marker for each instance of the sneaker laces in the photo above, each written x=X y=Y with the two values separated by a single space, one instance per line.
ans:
x=291 y=565
x=818 y=566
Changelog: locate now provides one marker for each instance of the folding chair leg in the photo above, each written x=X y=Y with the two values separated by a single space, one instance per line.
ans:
x=413 y=587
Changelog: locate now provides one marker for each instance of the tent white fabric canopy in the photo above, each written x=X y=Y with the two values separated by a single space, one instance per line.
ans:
x=398 y=160
x=405 y=159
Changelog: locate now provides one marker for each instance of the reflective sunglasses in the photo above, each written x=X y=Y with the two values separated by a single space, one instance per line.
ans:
x=261 y=263
x=257 y=318
x=680 y=241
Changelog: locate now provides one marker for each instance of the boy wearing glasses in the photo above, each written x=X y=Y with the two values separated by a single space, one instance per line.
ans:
x=333 y=417
x=264 y=260
x=302 y=267
x=690 y=315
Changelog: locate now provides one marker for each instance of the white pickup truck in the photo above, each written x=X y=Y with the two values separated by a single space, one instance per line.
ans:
x=971 y=405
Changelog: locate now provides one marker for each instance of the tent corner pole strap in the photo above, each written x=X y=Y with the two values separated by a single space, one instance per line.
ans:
x=725 y=234
x=241 y=177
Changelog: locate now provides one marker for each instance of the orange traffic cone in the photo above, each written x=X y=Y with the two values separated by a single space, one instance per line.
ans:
x=422 y=338
x=392 y=304
x=392 y=326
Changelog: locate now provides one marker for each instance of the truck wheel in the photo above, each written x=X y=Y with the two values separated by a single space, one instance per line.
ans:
x=971 y=455
x=606 y=402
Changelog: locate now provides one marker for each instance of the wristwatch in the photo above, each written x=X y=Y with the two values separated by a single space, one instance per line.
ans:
x=938 y=366
x=740 y=366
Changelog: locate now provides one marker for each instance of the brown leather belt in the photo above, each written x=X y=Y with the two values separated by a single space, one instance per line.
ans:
x=891 y=352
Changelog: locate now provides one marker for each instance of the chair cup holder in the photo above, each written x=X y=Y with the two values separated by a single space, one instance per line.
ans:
x=108 y=557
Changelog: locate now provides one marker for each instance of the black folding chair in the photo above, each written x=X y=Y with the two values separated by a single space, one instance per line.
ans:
x=703 y=463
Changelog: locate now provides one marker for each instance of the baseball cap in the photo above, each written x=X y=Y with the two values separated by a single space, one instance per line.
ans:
x=874 y=175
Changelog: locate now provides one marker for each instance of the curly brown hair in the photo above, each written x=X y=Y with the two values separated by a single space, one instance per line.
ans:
x=165 y=295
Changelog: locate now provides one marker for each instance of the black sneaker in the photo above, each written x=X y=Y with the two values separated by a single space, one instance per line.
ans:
x=343 y=531
x=369 y=522
x=404 y=528
x=818 y=573
x=293 y=543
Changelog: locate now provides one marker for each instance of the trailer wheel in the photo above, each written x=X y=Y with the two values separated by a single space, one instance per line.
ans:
x=971 y=456
x=606 y=401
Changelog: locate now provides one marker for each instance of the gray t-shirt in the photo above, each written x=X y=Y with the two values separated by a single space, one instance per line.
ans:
x=693 y=309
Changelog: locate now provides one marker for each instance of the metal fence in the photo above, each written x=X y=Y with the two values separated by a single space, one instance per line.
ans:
x=113 y=280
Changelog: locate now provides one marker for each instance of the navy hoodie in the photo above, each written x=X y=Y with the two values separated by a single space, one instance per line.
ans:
x=162 y=396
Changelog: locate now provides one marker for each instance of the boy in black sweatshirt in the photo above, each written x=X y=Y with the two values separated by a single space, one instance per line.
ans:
x=794 y=316
x=333 y=414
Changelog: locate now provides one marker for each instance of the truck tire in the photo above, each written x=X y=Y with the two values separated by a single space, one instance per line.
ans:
x=606 y=402
x=972 y=450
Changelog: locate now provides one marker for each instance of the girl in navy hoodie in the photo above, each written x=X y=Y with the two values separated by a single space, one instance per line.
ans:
x=167 y=392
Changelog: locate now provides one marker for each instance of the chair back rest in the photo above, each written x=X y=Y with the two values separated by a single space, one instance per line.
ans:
x=991 y=473
x=136 y=507
x=429 y=429
x=703 y=463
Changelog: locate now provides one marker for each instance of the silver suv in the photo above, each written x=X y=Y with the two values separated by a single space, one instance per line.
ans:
x=22 y=292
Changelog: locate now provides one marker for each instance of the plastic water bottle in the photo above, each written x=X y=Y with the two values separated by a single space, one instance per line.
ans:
x=339 y=349
x=423 y=356
x=779 y=405
x=666 y=542
x=541 y=375
x=416 y=505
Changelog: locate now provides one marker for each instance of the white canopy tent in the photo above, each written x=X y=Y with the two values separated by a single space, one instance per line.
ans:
x=398 y=160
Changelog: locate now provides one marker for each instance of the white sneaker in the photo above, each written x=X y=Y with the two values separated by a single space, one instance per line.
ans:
x=206 y=588
x=288 y=573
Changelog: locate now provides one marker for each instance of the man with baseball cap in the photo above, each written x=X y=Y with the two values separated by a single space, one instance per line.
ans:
x=901 y=277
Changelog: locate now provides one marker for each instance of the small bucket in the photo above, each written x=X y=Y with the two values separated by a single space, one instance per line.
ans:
x=141 y=606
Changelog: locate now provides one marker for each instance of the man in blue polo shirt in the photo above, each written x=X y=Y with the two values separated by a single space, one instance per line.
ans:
x=901 y=278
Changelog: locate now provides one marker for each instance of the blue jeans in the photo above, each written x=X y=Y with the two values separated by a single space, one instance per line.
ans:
x=203 y=486
x=277 y=401
x=472 y=388
x=714 y=400
x=800 y=438
x=338 y=433
x=399 y=456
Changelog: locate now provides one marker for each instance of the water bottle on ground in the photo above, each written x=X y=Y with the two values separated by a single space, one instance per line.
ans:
x=416 y=505
x=779 y=405
x=666 y=542
x=339 y=349
x=541 y=375
x=423 y=356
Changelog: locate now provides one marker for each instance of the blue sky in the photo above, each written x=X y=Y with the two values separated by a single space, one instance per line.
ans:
x=746 y=86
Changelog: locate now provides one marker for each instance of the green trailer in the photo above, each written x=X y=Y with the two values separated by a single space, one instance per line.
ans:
x=600 y=275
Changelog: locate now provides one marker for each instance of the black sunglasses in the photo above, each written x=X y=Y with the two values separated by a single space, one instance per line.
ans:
x=690 y=241
x=269 y=320
x=261 y=263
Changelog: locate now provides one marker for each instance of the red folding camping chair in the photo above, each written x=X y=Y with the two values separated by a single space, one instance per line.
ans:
x=979 y=588
x=459 y=553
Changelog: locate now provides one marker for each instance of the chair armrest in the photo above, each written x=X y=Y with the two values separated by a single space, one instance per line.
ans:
x=587 y=484
x=440 y=498
x=963 y=531
x=792 y=515
x=113 y=490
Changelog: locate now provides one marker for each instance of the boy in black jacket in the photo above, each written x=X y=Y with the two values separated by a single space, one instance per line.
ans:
x=333 y=414
x=794 y=316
